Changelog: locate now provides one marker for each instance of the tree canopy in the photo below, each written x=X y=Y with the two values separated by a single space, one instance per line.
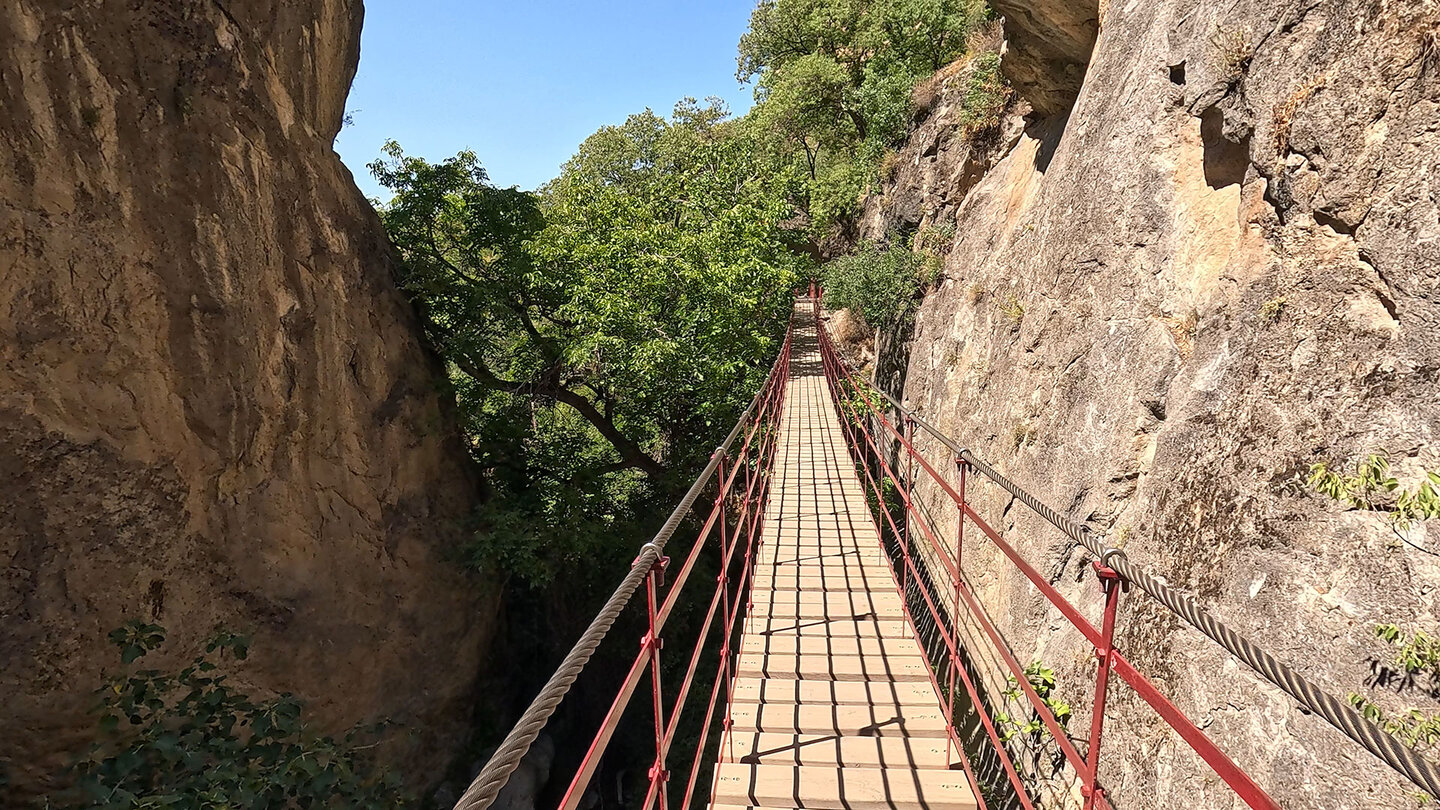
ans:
x=600 y=331
x=834 y=79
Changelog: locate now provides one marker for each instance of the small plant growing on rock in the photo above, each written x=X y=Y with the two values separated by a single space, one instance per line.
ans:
x=889 y=165
x=934 y=239
x=1232 y=50
x=1373 y=488
x=192 y=741
x=1013 y=309
x=1272 y=310
x=1042 y=680
x=1413 y=727
x=1024 y=434
x=1028 y=731
x=986 y=96
x=1416 y=654
x=1430 y=48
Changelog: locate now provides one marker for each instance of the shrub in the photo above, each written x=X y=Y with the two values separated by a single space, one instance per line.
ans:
x=1231 y=51
x=986 y=95
x=191 y=741
x=879 y=284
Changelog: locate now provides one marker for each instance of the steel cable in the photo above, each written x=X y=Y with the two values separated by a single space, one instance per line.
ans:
x=487 y=784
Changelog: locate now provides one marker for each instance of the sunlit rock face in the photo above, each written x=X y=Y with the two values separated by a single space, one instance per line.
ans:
x=1210 y=263
x=214 y=404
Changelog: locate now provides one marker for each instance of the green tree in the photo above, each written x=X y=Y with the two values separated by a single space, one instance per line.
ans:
x=602 y=332
x=834 y=79
x=882 y=285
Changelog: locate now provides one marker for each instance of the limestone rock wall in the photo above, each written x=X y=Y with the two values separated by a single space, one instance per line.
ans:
x=1161 y=305
x=214 y=403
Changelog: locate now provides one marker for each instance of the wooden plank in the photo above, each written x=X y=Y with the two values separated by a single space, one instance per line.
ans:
x=919 y=753
x=793 y=626
x=782 y=690
x=851 y=720
x=810 y=609
x=833 y=667
x=835 y=581
x=868 y=647
x=847 y=788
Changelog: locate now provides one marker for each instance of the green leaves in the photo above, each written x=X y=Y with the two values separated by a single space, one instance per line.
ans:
x=603 y=333
x=834 y=80
x=882 y=285
x=188 y=740
x=1373 y=487
x=1042 y=679
x=986 y=95
x=136 y=638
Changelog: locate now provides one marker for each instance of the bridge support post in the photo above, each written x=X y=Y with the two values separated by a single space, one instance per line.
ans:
x=652 y=643
x=961 y=468
x=1110 y=581
x=724 y=588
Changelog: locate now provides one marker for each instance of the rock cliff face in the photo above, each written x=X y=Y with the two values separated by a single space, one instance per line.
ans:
x=214 y=406
x=1173 y=286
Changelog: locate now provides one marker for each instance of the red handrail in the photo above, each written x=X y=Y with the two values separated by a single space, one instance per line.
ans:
x=849 y=394
x=754 y=459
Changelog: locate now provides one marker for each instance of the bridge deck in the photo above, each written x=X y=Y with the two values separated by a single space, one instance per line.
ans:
x=832 y=704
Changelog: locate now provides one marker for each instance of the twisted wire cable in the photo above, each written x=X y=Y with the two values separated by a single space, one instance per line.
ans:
x=487 y=784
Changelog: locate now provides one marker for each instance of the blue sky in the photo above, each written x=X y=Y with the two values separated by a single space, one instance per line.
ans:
x=523 y=82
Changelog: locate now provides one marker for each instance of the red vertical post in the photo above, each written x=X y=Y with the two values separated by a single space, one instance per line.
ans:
x=1110 y=581
x=658 y=774
x=724 y=591
x=961 y=467
x=909 y=428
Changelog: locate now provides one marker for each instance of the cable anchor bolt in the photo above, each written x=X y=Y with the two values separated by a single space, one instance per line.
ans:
x=1108 y=576
x=658 y=569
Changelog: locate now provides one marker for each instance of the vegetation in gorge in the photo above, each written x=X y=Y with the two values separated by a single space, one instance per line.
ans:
x=603 y=332
x=602 y=329
x=986 y=95
x=880 y=284
x=190 y=740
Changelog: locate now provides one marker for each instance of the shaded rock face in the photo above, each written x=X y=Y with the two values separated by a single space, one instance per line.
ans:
x=214 y=404
x=1050 y=43
x=1160 y=307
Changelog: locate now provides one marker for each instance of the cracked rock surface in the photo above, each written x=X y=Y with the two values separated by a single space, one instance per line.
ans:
x=1217 y=264
x=214 y=403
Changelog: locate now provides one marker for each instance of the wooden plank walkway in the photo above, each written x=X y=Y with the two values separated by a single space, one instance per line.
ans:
x=832 y=705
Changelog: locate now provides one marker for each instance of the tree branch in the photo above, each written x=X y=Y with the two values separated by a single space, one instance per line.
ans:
x=629 y=451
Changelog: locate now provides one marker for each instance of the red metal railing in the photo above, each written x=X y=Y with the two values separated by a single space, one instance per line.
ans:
x=866 y=427
x=744 y=477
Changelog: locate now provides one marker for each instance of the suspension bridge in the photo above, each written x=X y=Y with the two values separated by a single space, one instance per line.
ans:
x=846 y=626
